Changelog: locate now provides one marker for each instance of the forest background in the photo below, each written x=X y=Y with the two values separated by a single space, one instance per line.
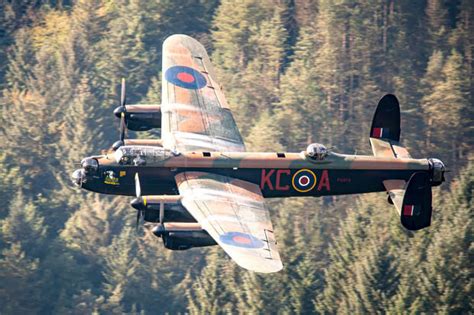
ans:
x=294 y=72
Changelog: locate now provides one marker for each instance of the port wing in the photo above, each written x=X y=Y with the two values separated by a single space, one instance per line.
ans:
x=233 y=212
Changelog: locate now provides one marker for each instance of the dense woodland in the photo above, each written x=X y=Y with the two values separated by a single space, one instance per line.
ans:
x=294 y=72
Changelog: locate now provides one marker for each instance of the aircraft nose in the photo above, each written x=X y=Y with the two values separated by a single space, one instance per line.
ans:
x=78 y=177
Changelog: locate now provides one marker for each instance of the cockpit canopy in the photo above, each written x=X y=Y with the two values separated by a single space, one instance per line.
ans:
x=317 y=151
x=141 y=155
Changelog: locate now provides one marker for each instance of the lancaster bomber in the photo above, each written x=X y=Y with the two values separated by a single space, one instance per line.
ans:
x=198 y=186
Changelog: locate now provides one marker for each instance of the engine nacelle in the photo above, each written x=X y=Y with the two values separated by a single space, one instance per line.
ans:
x=182 y=236
x=140 y=117
x=174 y=211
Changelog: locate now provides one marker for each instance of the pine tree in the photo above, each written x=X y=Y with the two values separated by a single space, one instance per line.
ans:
x=432 y=78
x=264 y=136
x=446 y=275
x=120 y=273
x=249 y=46
x=353 y=264
x=210 y=293
x=302 y=103
x=91 y=228
x=307 y=262
x=437 y=23
x=22 y=275
x=26 y=226
x=462 y=38
x=444 y=106
x=18 y=281
x=375 y=281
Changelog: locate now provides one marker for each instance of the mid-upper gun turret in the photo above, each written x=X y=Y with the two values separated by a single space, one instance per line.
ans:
x=317 y=151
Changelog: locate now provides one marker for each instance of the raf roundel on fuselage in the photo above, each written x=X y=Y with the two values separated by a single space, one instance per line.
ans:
x=304 y=180
x=185 y=77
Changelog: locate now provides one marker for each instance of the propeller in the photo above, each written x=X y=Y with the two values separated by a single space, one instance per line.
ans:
x=139 y=203
x=120 y=112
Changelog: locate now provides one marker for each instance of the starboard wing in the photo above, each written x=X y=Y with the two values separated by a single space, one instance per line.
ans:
x=233 y=212
x=195 y=113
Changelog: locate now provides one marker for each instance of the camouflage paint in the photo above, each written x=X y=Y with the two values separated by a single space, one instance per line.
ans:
x=338 y=174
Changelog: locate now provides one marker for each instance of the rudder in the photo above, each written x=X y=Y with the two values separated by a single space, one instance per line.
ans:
x=416 y=207
x=385 y=129
x=386 y=121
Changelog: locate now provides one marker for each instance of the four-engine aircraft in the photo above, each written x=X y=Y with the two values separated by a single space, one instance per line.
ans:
x=200 y=187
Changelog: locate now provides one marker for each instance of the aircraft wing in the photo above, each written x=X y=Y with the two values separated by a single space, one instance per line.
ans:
x=195 y=113
x=233 y=212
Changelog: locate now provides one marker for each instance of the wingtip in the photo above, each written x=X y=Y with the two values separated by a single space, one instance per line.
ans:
x=270 y=265
x=184 y=40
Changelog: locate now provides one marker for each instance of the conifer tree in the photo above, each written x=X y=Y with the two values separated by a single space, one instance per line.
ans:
x=301 y=102
x=265 y=135
x=437 y=23
x=445 y=104
x=249 y=56
x=120 y=273
x=446 y=275
x=375 y=281
x=210 y=293
x=26 y=226
x=18 y=281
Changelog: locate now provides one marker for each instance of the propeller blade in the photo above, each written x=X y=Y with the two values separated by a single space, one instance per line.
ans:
x=138 y=219
x=122 y=94
x=138 y=193
x=122 y=127
x=138 y=189
x=122 y=109
x=162 y=212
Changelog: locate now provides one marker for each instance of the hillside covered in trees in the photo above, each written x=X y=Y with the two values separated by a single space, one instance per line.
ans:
x=294 y=72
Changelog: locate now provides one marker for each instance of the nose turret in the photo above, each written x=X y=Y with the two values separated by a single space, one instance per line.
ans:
x=90 y=167
x=78 y=177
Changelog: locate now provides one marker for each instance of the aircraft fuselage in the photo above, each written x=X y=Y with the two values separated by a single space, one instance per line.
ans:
x=277 y=174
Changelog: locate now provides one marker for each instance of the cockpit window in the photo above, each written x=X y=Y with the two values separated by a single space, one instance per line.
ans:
x=141 y=155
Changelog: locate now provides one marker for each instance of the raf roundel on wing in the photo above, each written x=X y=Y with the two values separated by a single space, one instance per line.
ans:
x=240 y=239
x=185 y=77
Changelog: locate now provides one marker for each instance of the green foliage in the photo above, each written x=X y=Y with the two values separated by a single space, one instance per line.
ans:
x=445 y=104
x=294 y=72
